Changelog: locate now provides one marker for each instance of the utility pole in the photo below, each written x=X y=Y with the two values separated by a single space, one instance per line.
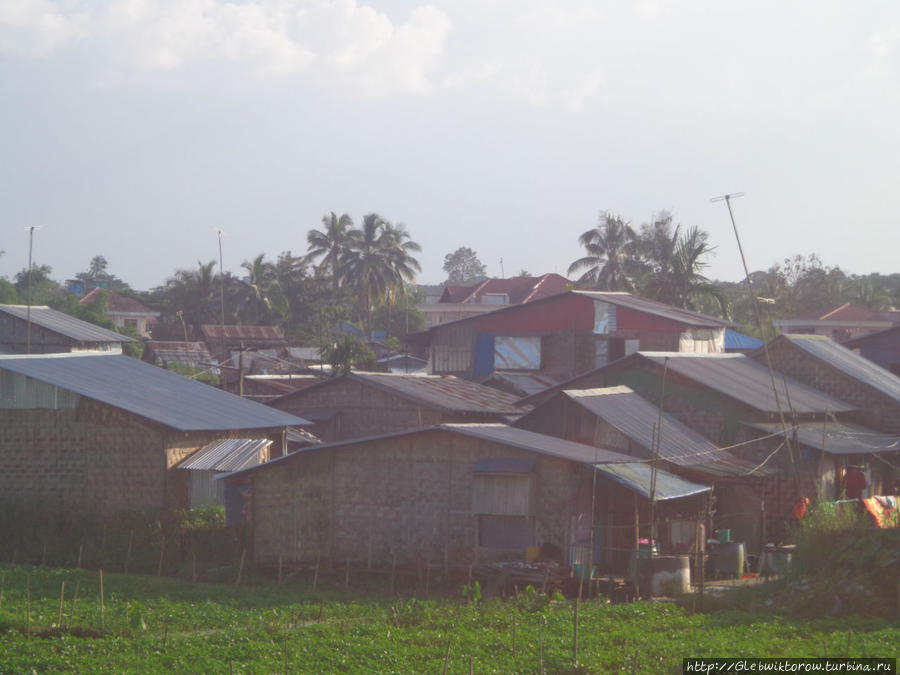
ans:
x=31 y=230
x=221 y=295
x=753 y=301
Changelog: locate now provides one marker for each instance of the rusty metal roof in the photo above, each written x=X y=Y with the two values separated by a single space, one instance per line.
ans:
x=637 y=418
x=848 y=362
x=745 y=380
x=656 y=308
x=217 y=332
x=63 y=324
x=836 y=438
x=226 y=455
x=149 y=391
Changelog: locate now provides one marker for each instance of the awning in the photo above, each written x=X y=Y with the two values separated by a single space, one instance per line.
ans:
x=636 y=476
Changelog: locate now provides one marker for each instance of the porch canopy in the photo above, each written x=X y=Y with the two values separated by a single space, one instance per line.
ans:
x=636 y=476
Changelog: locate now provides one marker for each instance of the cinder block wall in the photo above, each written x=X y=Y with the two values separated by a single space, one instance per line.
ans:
x=404 y=499
x=94 y=458
x=876 y=410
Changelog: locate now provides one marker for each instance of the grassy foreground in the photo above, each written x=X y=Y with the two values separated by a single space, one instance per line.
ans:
x=151 y=625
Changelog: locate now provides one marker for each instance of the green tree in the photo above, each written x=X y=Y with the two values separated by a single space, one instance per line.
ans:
x=368 y=264
x=610 y=263
x=36 y=286
x=264 y=295
x=463 y=266
x=331 y=243
x=345 y=353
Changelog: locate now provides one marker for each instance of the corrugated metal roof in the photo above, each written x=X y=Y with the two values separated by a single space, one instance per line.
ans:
x=848 y=362
x=735 y=340
x=63 y=324
x=525 y=384
x=227 y=454
x=188 y=353
x=637 y=418
x=302 y=437
x=117 y=303
x=637 y=476
x=504 y=465
x=656 y=308
x=530 y=440
x=844 y=312
x=149 y=391
x=745 y=380
x=217 y=332
x=439 y=391
x=836 y=438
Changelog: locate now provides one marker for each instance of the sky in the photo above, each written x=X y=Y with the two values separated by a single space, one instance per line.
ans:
x=135 y=129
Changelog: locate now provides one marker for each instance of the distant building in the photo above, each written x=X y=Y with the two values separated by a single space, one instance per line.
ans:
x=840 y=323
x=41 y=330
x=881 y=348
x=459 y=302
x=123 y=311
x=566 y=334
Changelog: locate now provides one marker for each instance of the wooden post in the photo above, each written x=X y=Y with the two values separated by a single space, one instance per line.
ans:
x=193 y=566
x=316 y=573
x=62 y=593
x=541 y=644
x=162 y=554
x=279 y=568
x=575 y=635
x=347 y=576
x=74 y=599
x=393 y=572
x=128 y=552
x=427 y=570
x=241 y=566
x=101 y=601
x=515 y=625
x=446 y=658
x=80 y=551
x=27 y=606
x=637 y=547
x=44 y=555
x=2 y=586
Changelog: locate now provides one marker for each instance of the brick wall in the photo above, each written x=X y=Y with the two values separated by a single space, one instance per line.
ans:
x=409 y=498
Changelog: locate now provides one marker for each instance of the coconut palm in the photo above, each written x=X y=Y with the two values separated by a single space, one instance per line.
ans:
x=193 y=292
x=368 y=266
x=689 y=285
x=610 y=259
x=263 y=287
x=331 y=243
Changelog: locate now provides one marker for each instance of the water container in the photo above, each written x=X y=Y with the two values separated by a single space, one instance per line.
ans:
x=670 y=575
x=724 y=536
x=728 y=560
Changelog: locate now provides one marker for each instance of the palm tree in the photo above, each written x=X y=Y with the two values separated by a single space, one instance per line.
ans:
x=367 y=265
x=609 y=262
x=263 y=286
x=398 y=250
x=688 y=283
x=331 y=242
x=193 y=292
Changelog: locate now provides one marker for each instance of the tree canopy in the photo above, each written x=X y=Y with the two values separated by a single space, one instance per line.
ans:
x=463 y=266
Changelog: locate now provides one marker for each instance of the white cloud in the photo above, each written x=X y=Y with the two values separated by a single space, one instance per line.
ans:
x=340 y=42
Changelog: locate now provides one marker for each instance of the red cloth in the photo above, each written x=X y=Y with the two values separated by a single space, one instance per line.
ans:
x=854 y=483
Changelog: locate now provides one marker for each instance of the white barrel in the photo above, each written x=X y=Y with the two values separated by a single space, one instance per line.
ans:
x=670 y=575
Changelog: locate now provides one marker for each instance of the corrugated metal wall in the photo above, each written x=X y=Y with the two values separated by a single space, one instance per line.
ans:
x=20 y=392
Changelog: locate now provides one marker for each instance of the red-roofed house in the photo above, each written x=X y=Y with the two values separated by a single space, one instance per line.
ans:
x=123 y=311
x=840 y=323
x=459 y=302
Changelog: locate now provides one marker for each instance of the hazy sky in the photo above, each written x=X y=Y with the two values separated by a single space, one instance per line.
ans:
x=134 y=129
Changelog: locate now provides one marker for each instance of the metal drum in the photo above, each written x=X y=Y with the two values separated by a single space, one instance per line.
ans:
x=728 y=560
x=670 y=575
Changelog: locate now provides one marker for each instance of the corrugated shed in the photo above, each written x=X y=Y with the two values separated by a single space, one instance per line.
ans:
x=637 y=477
x=637 y=418
x=215 y=332
x=149 y=391
x=836 y=438
x=745 y=380
x=659 y=309
x=63 y=324
x=848 y=362
x=227 y=454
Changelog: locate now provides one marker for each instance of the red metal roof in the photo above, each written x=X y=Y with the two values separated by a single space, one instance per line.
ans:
x=519 y=290
x=117 y=303
x=844 y=312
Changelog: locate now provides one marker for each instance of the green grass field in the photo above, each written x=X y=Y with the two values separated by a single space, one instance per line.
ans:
x=152 y=625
